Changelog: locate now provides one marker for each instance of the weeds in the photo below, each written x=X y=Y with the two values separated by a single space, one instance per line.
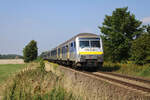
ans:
x=127 y=69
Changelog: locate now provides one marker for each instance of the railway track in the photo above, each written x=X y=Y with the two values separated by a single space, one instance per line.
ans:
x=137 y=84
x=133 y=83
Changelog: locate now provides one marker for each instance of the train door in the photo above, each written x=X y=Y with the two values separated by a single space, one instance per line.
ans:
x=74 y=51
x=67 y=48
x=71 y=50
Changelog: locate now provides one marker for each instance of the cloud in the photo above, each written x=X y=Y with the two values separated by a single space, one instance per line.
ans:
x=146 y=20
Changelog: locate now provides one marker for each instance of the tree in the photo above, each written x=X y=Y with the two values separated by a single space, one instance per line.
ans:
x=30 y=51
x=146 y=28
x=44 y=54
x=140 y=49
x=118 y=31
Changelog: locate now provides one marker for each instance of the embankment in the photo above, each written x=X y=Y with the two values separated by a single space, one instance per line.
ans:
x=33 y=83
x=92 y=88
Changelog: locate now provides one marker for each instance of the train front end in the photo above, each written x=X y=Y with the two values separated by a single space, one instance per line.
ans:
x=90 y=51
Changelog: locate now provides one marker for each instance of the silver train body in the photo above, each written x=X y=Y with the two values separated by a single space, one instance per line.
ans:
x=84 y=49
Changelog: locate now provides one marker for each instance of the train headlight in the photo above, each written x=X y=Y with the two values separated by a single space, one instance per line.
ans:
x=100 y=57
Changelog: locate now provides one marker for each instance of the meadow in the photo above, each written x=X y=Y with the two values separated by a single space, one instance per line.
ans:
x=6 y=70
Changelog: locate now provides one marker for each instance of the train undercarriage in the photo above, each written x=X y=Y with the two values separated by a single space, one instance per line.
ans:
x=89 y=64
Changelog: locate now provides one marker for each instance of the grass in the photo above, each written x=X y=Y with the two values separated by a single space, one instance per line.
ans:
x=7 y=69
x=128 y=69
x=36 y=84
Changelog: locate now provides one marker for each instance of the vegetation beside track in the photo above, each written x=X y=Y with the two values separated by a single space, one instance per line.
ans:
x=7 y=69
x=128 y=69
x=36 y=84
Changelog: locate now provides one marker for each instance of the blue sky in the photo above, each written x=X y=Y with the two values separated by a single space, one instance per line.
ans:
x=51 y=22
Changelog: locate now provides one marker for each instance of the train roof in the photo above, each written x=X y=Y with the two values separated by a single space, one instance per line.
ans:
x=85 y=34
x=78 y=35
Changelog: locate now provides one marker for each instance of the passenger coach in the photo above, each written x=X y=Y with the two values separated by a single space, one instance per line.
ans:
x=84 y=49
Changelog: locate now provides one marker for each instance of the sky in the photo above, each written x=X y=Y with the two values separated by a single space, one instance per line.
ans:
x=51 y=22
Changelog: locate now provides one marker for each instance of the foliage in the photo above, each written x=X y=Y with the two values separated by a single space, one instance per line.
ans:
x=44 y=54
x=147 y=29
x=42 y=65
x=128 y=69
x=119 y=30
x=38 y=59
x=30 y=51
x=10 y=56
x=140 y=49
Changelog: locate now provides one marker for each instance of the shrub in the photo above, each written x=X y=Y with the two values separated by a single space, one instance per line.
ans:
x=30 y=51
x=42 y=65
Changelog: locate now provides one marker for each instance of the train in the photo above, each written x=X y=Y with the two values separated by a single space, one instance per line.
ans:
x=83 y=50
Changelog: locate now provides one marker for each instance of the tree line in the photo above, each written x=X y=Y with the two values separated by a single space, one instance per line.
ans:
x=10 y=56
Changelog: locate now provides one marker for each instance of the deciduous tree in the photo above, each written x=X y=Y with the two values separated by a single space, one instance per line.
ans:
x=30 y=51
x=118 y=31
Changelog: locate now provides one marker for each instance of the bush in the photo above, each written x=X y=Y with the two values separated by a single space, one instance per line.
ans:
x=140 y=49
x=42 y=65
x=30 y=51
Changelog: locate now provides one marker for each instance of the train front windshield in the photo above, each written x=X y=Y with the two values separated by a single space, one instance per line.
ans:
x=84 y=44
x=89 y=42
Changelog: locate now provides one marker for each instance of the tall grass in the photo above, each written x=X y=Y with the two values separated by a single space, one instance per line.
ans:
x=35 y=84
x=128 y=69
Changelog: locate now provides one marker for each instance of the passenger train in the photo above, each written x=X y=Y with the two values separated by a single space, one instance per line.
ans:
x=82 y=50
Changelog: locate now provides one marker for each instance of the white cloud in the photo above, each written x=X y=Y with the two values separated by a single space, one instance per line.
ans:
x=146 y=20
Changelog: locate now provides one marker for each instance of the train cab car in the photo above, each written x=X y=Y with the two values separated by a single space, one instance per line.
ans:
x=89 y=50
x=84 y=49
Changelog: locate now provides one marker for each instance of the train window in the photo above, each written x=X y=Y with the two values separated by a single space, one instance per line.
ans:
x=49 y=53
x=95 y=43
x=74 y=44
x=58 y=51
x=97 y=39
x=84 y=44
x=71 y=44
x=53 y=53
x=63 y=50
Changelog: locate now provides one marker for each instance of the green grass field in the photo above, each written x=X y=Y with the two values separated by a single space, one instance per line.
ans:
x=7 y=69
